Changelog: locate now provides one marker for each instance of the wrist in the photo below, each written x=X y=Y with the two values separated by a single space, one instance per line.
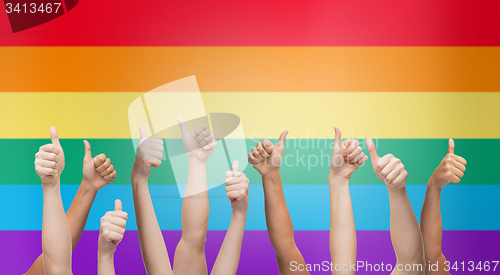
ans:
x=332 y=176
x=433 y=184
x=337 y=180
x=397 y=191
x=87 y=187
x=272 y=175
x=140 y=171
x=196 y=161
x=240 y=213
x=105 y=255
x=53 y=185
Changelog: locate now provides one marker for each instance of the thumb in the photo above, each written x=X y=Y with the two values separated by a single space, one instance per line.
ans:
x=338 y=138
x=372 y=150
x=54 y=136
x=143 y=132
x=234 y=169
x=182 y=124
x=118 y=205
x=88 y=152
x=281 y=141
x=451 y=146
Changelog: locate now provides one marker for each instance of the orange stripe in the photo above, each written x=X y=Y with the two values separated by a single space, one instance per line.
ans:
x=251 y=68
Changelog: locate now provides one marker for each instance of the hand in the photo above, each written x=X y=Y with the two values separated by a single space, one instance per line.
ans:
x=49 y=161
x=237 y=185
x=451 y=168
x=199 y=144
x=149 y=154
x=112 y=229
x=55 y=140
x=347 y=156
x=97 y=172
x=388 y=168
x=265 y=157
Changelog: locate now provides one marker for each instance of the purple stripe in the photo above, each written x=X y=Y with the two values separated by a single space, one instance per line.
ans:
x=18 y=249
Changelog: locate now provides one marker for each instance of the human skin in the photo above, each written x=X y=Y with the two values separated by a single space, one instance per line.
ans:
x=405 y=232
x=153 y=249
x=228 y=259
x=451 y=169
x=189 y=255
x=56 y=235
x=97 y=173
x=347 y=156
x=190 y=252
x=110 y=235
x=266 y=159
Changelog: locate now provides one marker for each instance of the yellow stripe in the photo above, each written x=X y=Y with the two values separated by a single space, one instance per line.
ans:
x=140 y=69
x=305 y=115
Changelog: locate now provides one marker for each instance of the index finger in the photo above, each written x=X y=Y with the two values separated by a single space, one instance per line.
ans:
x=51 y=148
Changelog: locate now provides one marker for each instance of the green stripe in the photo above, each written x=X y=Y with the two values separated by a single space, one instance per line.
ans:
x=420 y=157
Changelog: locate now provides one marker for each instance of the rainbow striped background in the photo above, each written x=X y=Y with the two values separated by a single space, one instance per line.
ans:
x=411 y=74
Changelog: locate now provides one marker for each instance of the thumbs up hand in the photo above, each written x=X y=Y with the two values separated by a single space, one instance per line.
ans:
x=451 y=168
x=54 y=136
x=112 y=229
x=49 y=161
x=199 y=144
x=97 y=172
x=266 y=157
x=149 y=154
x=388 y=168
x=347 y=156
x=237 y=185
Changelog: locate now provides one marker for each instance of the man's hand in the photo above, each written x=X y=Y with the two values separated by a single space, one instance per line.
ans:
x=199 y=144
x=112 y=229
x=97 y=172
x=347 y=156
x=388 y=168
x=451 y=168
x=265 y=157
x=237 y=185
x=49 y=161
x=149 y=154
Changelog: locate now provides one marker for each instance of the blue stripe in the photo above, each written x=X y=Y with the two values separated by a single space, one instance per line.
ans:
x=464 y=207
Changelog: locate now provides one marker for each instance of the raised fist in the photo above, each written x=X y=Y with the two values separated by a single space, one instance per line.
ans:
x=49 y=161
x=265 y=157
x=237 y=185
x=451 y=168
x=388 y=168
x=347 y=156
x=98 y=171
x=199 y=144
x=112 y=229
x=149 y=153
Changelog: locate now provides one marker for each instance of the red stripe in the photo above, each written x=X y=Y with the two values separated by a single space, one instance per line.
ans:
x=267 y=23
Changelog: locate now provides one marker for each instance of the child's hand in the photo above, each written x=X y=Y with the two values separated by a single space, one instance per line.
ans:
x=347 y=156
x=237 y=185
x=388 y=168
x=112 y=229
x=451 y=168
x=97 y=172
x=265 y=157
